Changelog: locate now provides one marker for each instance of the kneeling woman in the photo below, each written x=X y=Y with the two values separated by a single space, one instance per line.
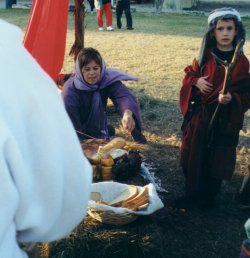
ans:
x=86 y=93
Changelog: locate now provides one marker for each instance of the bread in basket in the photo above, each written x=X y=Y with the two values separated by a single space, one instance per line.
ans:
x=119 y=204
x=110 y=160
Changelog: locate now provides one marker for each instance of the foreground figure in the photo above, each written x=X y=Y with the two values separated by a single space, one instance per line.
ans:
x=43 y=170
x=208 y=157
x=86 y=94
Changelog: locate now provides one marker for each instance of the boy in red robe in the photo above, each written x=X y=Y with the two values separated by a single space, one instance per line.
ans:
x=206 y=161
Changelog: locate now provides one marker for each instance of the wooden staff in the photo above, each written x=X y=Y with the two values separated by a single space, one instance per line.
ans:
x=226 y=84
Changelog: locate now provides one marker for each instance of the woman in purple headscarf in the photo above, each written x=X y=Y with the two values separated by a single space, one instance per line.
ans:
x=86 y=93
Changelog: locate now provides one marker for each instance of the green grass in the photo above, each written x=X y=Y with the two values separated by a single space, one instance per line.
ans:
x=156 y=51
x=15 y=16
x=162 y=24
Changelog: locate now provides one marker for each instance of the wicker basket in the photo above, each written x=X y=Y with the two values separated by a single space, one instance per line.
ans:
x=103 y=193
x=112 y=218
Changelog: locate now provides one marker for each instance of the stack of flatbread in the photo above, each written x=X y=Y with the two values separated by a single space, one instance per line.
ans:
x=130 y=198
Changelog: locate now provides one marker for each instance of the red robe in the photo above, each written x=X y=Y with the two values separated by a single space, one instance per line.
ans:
x=199 y=161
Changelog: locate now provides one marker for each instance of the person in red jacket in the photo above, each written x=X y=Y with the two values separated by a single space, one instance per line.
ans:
x=206 y=160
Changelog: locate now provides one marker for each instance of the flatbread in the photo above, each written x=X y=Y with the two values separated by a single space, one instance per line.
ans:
x=129 y=193
x=139 y=200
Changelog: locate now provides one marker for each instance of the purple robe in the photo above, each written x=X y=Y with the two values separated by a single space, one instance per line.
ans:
x=87 y=104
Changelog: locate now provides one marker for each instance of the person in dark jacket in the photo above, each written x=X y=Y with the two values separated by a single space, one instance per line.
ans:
x=9 y=3
x=86 y=93
x=123 y=5
x=92 y=5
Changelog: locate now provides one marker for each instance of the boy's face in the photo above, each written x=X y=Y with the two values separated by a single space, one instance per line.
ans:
x=224 y=34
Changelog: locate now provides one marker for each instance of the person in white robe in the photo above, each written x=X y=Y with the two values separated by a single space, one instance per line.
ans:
x=45 y=179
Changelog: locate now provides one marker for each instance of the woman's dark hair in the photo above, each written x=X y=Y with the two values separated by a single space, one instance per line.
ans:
x=86 y=55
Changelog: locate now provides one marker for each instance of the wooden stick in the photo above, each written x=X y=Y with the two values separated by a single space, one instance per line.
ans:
x=226 y=84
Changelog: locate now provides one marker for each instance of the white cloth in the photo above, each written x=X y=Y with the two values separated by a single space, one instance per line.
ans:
x=45 y=179
x=221 y=12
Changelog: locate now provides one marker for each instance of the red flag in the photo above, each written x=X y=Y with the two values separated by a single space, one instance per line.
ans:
x=45 y=36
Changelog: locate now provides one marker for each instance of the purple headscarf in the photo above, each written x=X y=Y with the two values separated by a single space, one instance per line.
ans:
x=97 y=119
x=107 y=77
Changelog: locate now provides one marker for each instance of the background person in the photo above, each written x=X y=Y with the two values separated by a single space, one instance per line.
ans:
x=92 y=6
x=206 y=162
x=86 y=94
x=43 y=170
x=104 y=7
x=123 y=5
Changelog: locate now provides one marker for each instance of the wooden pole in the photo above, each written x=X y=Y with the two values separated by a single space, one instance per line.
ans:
x=79 y=28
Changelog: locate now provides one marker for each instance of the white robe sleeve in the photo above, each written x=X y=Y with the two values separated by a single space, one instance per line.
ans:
x=45 y=178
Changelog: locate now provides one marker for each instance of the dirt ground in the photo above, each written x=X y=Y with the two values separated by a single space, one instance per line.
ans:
x=169 y=233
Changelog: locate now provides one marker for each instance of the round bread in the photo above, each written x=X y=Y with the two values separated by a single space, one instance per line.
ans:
x=92 y=156
x=107 y=161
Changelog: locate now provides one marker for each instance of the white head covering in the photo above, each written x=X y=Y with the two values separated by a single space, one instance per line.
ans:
x=220 y=14
x=223 y=12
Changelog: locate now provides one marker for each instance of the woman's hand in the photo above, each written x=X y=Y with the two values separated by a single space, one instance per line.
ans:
x=224 y=98
x=128 y=121
x=203 y=85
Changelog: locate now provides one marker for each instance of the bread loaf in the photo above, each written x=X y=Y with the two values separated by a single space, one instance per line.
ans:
x=129 y=193
x=116 y=143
